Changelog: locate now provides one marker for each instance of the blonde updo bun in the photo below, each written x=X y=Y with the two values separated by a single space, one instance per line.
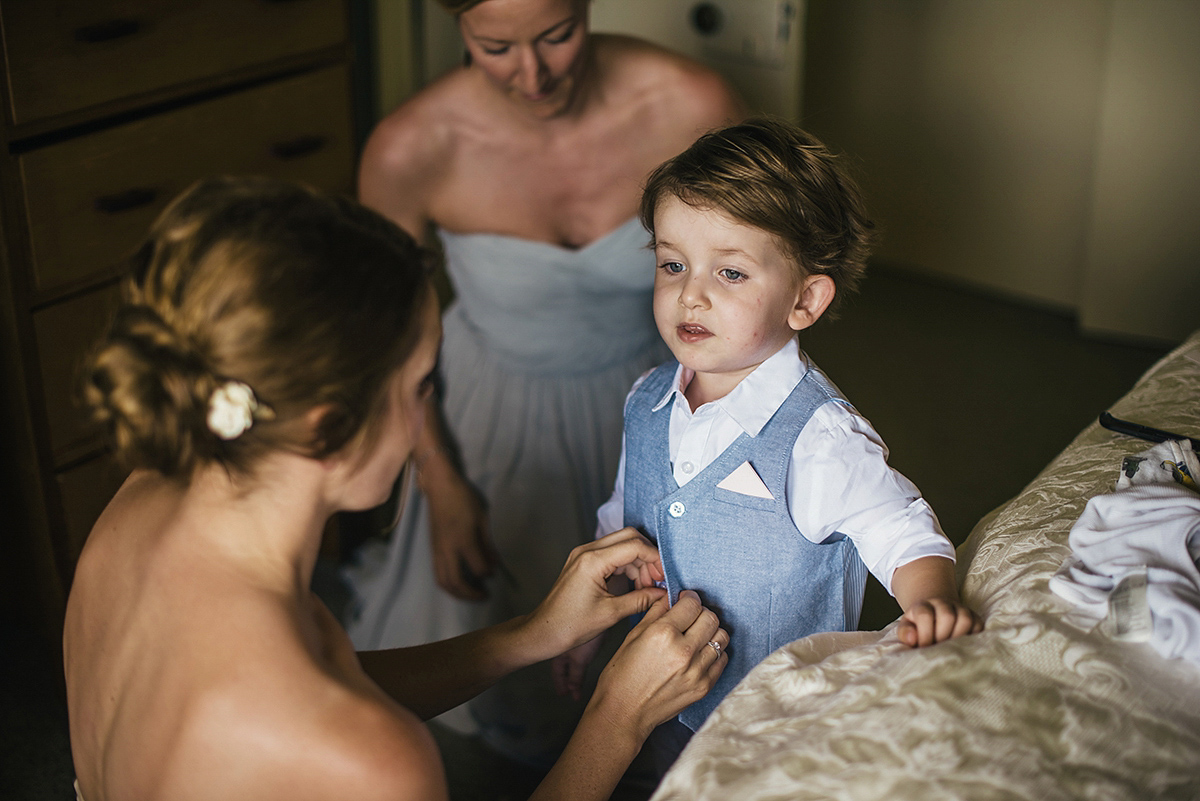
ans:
x=309 y=300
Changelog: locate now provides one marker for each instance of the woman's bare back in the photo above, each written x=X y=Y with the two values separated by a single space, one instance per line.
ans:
x=181 y=664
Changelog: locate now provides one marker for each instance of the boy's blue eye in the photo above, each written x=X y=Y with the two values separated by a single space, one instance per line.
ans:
x=672 y=267
x=731 y=274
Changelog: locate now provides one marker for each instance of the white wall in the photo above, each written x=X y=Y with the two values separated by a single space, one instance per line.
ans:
x=1143 y=274
x=757 y=46
x=994 y=139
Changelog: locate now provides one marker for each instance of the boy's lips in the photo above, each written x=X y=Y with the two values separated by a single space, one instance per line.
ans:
x=692 y=332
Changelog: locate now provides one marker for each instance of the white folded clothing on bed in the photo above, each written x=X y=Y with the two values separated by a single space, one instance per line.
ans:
x=1134 y=552
x=1168 y=462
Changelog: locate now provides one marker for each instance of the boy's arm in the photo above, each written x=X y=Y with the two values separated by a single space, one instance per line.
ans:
x=839 y=466
x=927 y=591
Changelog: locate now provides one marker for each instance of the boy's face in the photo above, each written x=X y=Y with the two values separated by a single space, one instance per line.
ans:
x=725 y=296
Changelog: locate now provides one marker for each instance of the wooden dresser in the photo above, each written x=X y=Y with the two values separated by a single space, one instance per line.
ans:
x=111 y=108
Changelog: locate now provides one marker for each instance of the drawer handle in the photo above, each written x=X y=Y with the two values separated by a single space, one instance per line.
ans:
x=124 y=201
x=298 y=147
x=107 y=31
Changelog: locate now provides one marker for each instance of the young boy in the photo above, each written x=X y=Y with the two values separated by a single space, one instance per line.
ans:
x=766 y=492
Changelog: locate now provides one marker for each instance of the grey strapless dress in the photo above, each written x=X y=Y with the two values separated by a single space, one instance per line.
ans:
x=540 y=348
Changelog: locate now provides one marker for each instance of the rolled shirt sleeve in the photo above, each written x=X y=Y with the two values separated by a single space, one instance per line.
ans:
x=839 y=482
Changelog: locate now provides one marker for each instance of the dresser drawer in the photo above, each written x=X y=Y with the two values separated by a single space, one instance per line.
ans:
x=91 y=200
x=66 y=55
x=66 y=333
x=85 y=490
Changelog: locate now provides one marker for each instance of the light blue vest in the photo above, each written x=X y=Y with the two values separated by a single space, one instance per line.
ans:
x=743 y=555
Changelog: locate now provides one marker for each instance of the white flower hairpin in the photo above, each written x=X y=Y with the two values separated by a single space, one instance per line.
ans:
x=232 y=409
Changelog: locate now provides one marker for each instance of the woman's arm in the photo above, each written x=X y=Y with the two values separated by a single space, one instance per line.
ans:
x=402 y=164
x=664 y=665
x=463 y=554
x=429 y=679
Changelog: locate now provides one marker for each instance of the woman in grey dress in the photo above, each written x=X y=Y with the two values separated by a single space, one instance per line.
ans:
x=528 y=164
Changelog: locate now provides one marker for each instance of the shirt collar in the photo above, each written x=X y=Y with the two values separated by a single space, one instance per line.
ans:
x=759 y=395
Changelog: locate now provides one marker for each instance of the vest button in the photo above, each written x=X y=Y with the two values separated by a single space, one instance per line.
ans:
x=676 y=509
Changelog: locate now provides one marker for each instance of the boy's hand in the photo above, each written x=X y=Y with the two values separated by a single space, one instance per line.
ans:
x=927 y=592
x=935 y=620
x=568 y=669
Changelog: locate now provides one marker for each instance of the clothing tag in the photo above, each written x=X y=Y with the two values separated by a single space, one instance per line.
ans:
x=1128 y=613
x=745 y=481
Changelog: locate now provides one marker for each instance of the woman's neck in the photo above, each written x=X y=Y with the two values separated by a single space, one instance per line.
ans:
x=267 y=526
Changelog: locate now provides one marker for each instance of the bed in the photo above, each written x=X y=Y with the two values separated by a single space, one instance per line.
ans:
x=1033 y=708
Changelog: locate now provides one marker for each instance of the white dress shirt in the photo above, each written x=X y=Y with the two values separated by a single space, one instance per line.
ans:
x=838 y=471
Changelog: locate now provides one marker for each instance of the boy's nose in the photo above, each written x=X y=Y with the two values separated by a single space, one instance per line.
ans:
x=692 y=294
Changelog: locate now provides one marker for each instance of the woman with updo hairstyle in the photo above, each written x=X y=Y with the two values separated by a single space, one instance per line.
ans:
x=268 y=367
x=232 y=306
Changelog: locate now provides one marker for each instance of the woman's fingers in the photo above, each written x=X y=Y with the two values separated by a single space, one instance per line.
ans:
x=476 y=552
x=713 y=651
x=619 y=550
x=666 y=662
x=579 y=605
x=635 y=602
x=453 y=567
x=462 y=553
x=699 y=623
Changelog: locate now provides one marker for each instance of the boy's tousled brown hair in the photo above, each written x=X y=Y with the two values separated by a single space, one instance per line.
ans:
x=769 y=174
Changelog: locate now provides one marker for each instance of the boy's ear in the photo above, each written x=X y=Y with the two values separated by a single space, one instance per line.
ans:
x=813 y=296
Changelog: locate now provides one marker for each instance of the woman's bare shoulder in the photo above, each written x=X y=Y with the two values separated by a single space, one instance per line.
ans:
x=388 y=752
x=683 y=88
x=286 y=728
x=420 y=126
x=412 y=149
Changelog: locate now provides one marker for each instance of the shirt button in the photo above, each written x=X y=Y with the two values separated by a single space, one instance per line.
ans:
x=676 y=509
x=687 y=467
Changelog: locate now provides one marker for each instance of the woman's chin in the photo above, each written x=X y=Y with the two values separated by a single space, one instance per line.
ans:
x=548 y=106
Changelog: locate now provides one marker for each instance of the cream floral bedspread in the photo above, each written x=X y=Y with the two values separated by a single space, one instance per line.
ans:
x=1033 y=708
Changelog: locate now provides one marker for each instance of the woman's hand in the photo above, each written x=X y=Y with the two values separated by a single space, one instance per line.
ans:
x=463 y=554
x=664 y=665
x=580 y=607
